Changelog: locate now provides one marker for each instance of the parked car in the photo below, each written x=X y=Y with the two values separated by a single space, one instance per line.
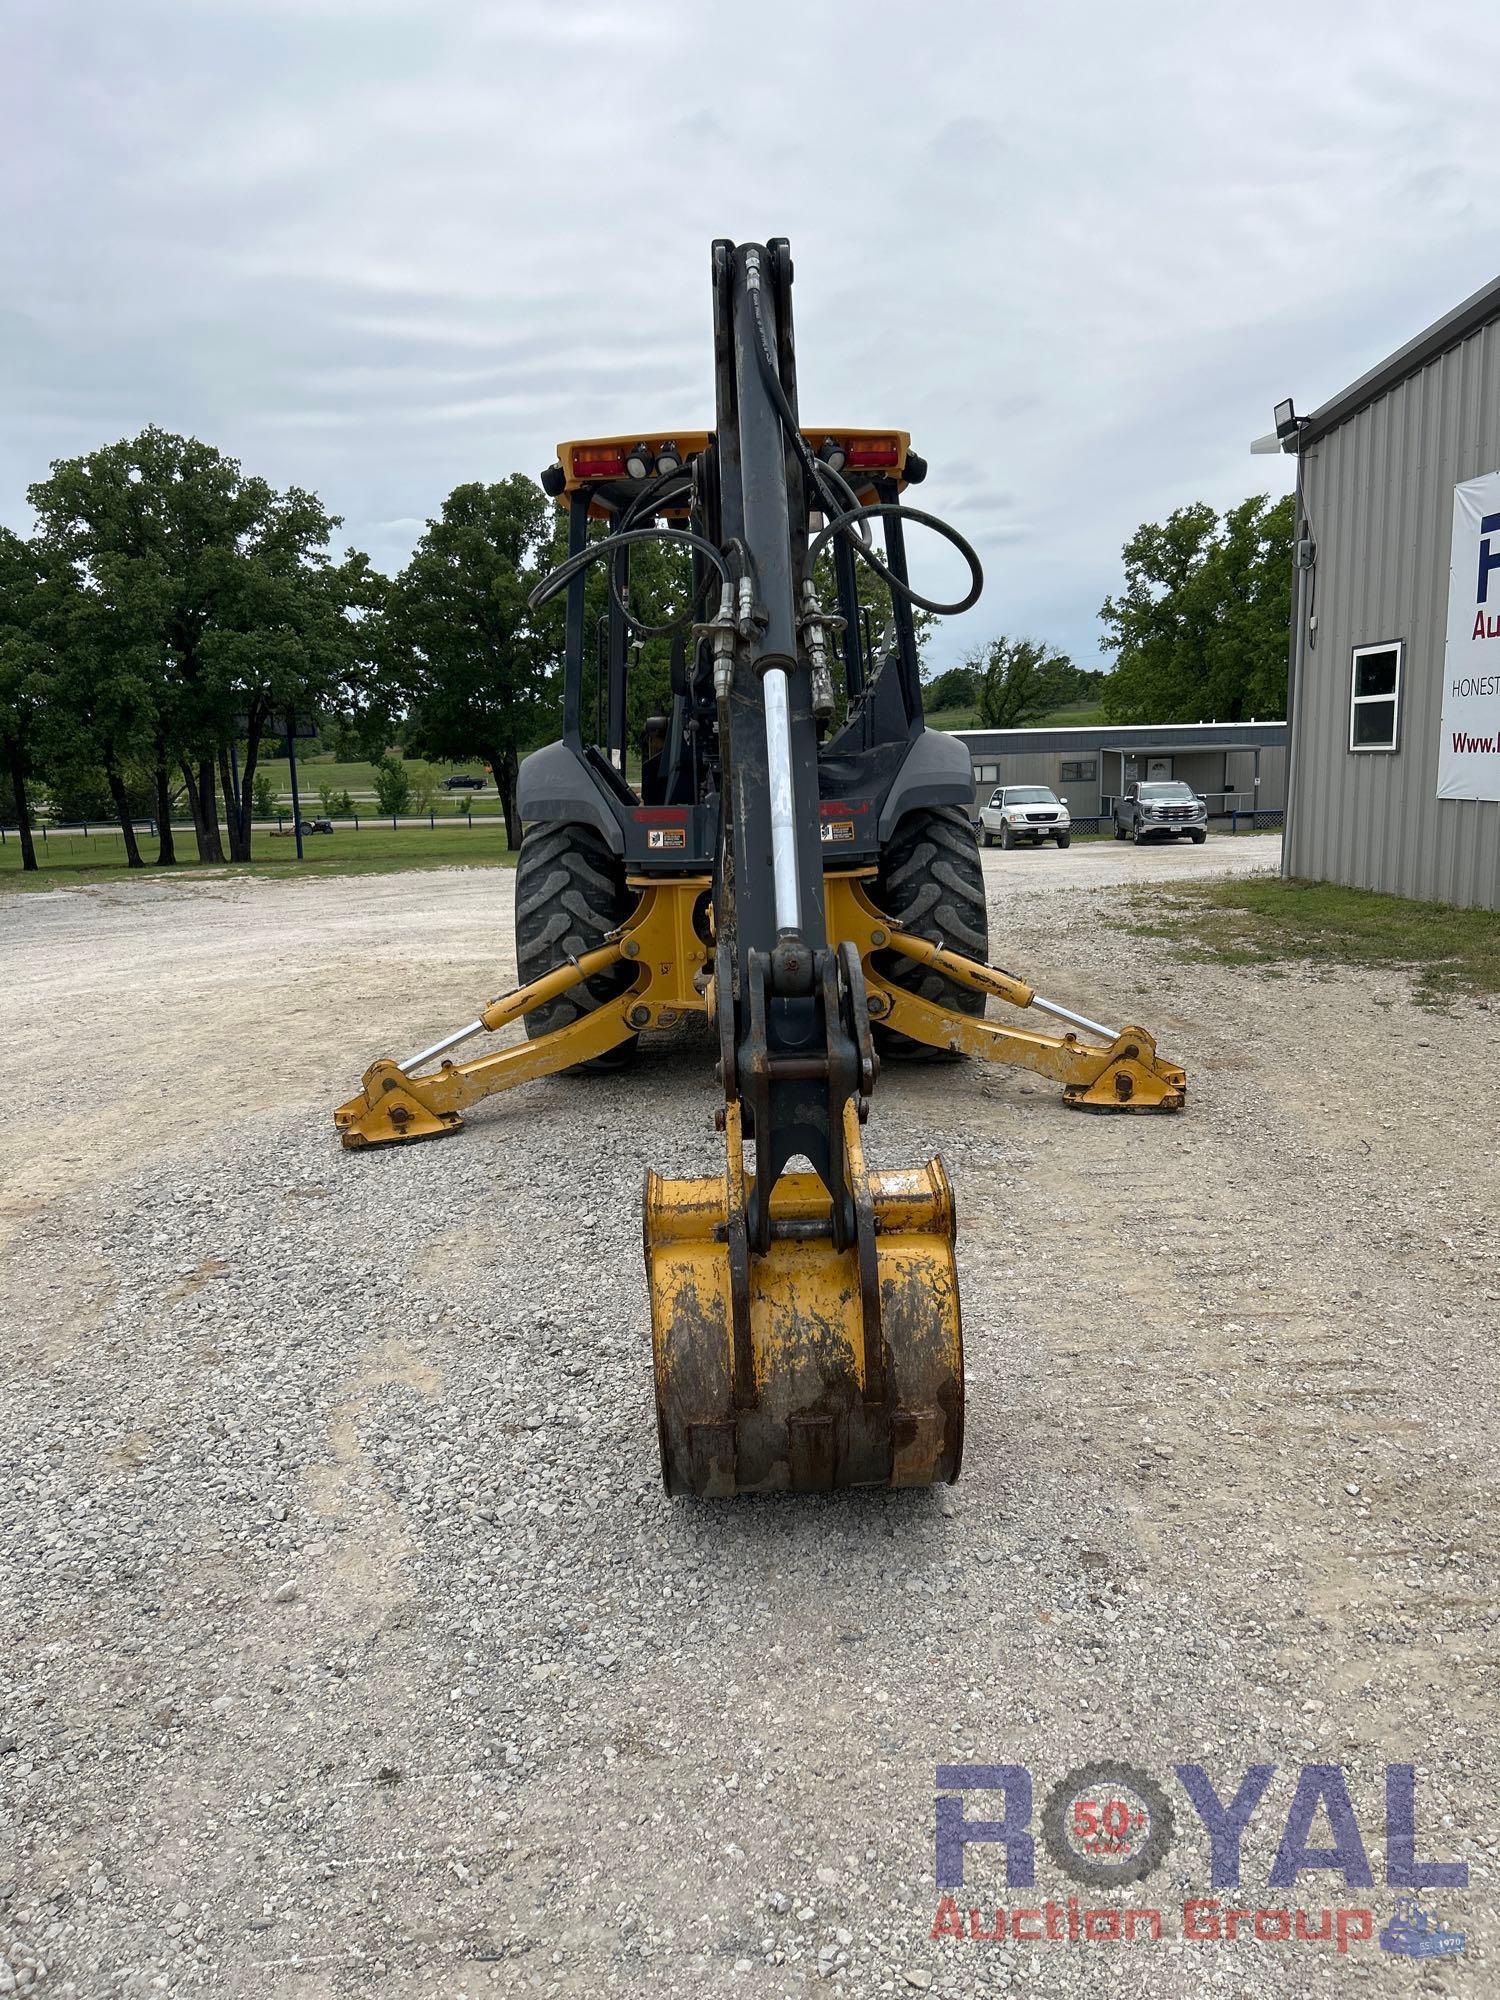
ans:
x=1025 y=812
x=1165 y=806
x=462 y=782
x=315 y=826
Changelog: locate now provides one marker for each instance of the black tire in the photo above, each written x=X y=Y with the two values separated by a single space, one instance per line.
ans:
x=1007 y=839
x=1064 y=839
x=932 y=885
x=1199 y=838
x=1119 y=831
x=570 y=893
x=1136 y=836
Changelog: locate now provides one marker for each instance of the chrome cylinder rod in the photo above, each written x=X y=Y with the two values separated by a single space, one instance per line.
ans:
x=783 y=801
x=439 y=1048
x=1078 y=1020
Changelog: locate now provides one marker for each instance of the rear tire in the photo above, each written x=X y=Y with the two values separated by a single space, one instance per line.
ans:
x=570 y=893
x=932 y=885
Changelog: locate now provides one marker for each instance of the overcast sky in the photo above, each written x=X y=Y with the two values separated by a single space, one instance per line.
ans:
x=378 y=247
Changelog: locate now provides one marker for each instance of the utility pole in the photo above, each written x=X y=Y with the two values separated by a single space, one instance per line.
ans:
x=291 y=755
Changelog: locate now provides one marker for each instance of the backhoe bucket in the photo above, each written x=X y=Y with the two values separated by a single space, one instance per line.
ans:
x=805 y=1367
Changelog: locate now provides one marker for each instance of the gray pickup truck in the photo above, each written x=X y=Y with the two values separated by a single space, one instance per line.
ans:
x=1162 y=805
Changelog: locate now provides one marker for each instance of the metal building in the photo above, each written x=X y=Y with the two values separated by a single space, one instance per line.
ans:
x=1391 y=598
x=1238 y=767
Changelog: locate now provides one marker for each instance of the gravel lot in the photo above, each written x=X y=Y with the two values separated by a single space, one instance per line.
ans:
x=351 y=1648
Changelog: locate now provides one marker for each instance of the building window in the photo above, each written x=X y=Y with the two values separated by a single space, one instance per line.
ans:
x=1081 y=772
x=986 y=774
x=1375 y=697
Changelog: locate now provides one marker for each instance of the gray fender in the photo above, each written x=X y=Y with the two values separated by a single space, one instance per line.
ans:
x=936 y=771
x=556 y=784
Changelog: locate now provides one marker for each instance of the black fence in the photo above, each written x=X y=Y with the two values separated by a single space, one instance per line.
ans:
x=275 y=823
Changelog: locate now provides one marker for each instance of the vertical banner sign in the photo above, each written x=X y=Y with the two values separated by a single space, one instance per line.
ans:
x=1469 y=746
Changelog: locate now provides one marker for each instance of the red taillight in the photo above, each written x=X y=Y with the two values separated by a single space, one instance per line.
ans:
x=871 y=454
x=598 y=465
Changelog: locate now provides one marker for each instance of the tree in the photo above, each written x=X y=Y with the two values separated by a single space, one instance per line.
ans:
x=364 y=734
x=474 y=667
x=297 y=632
x=1200 y=629
x=23 y=681
x=423 y=785
x=392 y=785
x=194 y=607
x=1020 y=680
x=957 y=688
x=100 y=704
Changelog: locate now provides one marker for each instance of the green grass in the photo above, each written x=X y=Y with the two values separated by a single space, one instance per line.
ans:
x=1060 y=718
x=1270 y=922
x=1071 y=718
x=71 y=860
x=323 y=769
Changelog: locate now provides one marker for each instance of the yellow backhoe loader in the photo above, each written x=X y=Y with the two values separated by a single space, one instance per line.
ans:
x=798 y=863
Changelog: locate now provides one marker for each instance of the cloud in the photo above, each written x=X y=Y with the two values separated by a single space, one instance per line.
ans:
x=378 y=248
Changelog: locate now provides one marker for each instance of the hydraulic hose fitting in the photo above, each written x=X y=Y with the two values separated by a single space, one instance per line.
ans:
x=812 y=627
x=721 y=632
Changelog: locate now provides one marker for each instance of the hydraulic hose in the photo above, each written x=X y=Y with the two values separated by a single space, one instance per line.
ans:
x=655 y=496
x=816 y=472
x=852 y=516
x=842 y=522
x=559 y=578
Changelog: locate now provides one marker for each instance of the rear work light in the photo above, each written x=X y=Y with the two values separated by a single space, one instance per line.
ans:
x=871 y=455
x=599 y=464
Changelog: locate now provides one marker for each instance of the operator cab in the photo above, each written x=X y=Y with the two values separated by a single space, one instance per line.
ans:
x=640 y=715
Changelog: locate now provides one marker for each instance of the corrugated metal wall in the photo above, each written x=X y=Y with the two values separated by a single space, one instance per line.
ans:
x=1378 y=492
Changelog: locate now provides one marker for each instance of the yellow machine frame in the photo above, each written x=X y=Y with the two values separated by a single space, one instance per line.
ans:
x=673 y=978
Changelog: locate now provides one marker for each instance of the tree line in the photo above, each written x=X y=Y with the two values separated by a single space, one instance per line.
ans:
x=170 y=613
x=1198 y=632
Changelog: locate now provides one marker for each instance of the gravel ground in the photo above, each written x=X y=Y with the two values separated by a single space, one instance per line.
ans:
x=351 y=1648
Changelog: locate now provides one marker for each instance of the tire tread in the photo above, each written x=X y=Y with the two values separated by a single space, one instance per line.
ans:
x=931 y=883
x=570 y=893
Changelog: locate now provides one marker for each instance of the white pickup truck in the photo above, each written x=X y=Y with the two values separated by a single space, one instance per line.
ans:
x=1025 y=812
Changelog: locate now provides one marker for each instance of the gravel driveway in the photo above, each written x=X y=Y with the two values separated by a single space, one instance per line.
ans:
x=351 y=1647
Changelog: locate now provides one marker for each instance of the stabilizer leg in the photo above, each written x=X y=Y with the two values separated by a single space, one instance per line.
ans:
x=1121 y=1071
x=660 y=941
